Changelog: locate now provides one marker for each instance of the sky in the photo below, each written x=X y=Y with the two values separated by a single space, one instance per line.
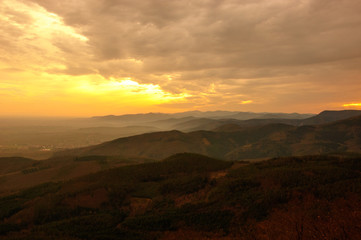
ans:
x=100 y=57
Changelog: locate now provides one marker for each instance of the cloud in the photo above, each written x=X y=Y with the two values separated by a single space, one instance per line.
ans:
x=245 y=48
x=194 y=35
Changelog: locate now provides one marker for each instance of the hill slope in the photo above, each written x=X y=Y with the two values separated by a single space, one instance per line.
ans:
x=13 y=164
x=190 y=196
x=257 y=142
x=330 y=116
x=18 y=173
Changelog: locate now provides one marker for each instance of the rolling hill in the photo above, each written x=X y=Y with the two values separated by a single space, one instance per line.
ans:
x=39 y=138
x=253 y=142
x=149 y=117
x=13 y=164
x=244 y=119
x=194 y=120
x=330 y=116
x=17 y=173
x=172 y=184
x=190 y=196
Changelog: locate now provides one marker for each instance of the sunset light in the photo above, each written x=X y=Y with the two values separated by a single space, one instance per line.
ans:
x=180 y=119
x=352 y=105
x=128 y=88
x=246 y=102
x=86 y=57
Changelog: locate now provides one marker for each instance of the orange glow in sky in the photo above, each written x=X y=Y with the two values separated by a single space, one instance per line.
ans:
x=246 y=102
x=352 y=105
x=33 y=82
x=70 y=59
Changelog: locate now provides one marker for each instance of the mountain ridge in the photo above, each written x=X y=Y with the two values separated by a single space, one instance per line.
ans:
x=254 y=142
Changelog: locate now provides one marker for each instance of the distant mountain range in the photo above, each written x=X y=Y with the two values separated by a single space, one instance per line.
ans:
x=149 y=117
x=327 y=132
x=190 y=196
x=175 y=185
x=195 y=120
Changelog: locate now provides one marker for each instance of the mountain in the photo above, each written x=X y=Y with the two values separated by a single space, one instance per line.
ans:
x=207 y=114
x=151 y=117
x=171 y=123
x=253 y=142
x=197 y=124
x=196 y=120
x=286 y=116
x=296 y=119
x=330 y=116
x=159 y=145
x=39 y=138
x=146 y=117
x=339 y=136
x=190 y=196
x=251 y=115
x=230 y=142
x=173 y=185
x=291 y=119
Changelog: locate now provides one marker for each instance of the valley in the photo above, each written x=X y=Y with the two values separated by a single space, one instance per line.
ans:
x=269 y=179
x=180 y=120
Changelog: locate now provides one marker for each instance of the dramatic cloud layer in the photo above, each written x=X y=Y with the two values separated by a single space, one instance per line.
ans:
x=255 y=55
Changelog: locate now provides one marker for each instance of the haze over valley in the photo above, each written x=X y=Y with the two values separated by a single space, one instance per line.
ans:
x=60 y=149
x=221 y=178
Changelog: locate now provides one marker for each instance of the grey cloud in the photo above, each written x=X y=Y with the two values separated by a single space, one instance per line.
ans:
x=197 y=34
x=212 y=41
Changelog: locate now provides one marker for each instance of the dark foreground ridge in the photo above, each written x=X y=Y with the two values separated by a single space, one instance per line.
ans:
x=190 y=196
